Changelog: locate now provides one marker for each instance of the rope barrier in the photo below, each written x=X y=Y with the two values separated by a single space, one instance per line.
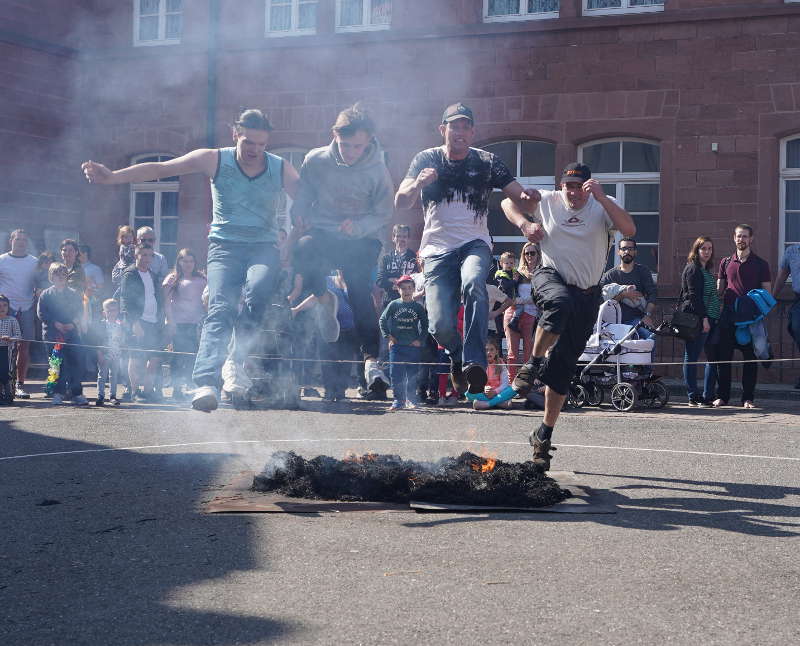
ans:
x=124 y=349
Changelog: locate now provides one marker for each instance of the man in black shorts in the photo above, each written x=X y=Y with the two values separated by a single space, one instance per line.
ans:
x=572 y=226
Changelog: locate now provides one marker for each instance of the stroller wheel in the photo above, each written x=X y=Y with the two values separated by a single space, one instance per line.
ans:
x=577 y=395
x=623 y=396
x=655 y=395
x=594 y=394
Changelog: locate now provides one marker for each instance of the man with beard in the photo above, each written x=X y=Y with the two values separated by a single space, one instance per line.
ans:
x=572 y=227
x=636 y=291
x=738 y=274
x=247 y=184
x=455 y=182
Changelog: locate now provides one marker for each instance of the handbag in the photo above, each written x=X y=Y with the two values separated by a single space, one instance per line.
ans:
x=685 y=325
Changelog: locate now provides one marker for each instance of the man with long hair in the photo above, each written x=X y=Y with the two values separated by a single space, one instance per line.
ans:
x=246 y=187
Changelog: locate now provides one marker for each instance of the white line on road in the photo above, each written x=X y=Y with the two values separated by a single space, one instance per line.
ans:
x=404 y=440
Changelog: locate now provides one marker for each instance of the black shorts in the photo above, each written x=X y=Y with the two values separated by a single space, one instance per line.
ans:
x=570 y=312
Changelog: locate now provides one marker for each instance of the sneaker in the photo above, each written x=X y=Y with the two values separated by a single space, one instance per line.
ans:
x=99 y=402
x=450 y=401
x=442 y=401
x=457 y=377
x=310 y=392
x=114 y=401
x=58 y=399
x=80 y=400
x=205 y=399
x=541 y=455
x=527 y=375
x=20 y=393
x=396 y=405
x=327 y=310
x=411 y=405
x=476 y=378
x=696 y=402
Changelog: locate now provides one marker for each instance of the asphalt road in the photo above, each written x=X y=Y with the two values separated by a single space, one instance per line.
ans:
x=104 y=541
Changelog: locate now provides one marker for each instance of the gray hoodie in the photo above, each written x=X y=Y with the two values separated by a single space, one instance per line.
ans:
x=330 y=192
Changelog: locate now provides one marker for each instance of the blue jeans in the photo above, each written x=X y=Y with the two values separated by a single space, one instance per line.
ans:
x=690 y=356
x=448 y=277
x=404 y=374
x=231 y=266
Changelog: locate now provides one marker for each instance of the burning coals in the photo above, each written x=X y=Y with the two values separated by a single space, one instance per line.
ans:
x=468 y=479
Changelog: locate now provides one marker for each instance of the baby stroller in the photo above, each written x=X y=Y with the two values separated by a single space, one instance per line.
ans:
x=629 y=379
x=271 y=381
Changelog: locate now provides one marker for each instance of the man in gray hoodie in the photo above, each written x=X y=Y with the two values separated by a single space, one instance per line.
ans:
x=344 y=201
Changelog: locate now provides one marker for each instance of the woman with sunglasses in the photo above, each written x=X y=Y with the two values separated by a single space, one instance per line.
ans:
x=526 y=322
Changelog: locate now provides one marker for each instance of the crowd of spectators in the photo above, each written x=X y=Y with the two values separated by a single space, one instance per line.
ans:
x=147 y=315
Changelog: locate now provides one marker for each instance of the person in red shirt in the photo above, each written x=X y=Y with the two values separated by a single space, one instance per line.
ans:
x=738 y=274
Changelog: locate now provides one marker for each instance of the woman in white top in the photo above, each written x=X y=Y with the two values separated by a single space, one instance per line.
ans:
x=523 y=331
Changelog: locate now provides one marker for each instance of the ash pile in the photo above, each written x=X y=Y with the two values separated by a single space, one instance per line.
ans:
x=468 y=479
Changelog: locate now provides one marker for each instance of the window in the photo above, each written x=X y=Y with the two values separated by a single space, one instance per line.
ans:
x=155 y=204
x=607 y=7
x=363 y=15
x=533 y=164
x=291 y=17
x=157 y=22
x=506 y=10
x=630 y=171
x=295 y=157
x=790 y=192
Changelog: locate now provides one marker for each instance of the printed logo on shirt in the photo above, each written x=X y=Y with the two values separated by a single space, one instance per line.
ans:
x=574 y=221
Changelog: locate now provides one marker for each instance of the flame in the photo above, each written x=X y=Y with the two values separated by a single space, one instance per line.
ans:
x=487 y=463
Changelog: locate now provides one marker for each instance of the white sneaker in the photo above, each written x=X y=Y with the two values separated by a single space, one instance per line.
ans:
x=234 y=378
x=326 y=318
x=205 y=399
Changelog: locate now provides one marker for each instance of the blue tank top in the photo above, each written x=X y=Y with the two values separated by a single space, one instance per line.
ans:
x=244 y=208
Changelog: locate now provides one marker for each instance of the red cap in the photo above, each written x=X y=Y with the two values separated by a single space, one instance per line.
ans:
x=405 y=278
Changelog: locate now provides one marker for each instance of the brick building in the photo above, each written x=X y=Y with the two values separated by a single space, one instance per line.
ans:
x=688 y=110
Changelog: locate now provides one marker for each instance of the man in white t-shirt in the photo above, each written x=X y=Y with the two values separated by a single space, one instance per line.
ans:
x=18 y=283
x=572 y=227
x=455 y=182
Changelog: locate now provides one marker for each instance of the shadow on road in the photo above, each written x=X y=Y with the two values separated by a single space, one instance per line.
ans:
x=110 y=548
x=733 y=507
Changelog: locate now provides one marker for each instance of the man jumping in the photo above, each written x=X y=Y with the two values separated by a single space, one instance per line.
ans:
x=572 y=228
x=246 y=187
x=455 y=182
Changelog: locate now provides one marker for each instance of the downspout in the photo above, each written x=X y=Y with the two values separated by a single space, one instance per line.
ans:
x=211 y=99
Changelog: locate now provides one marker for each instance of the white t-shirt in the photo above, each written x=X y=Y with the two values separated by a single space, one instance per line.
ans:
x=150 y=305
x=576 y=241
x=18 y=280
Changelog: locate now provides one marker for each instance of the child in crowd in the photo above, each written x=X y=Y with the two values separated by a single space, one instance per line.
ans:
x=109 y=358
x=183 y=306
x=60 y=309
x=126 y=244
x=496 y=372
x=9 y=333
x=405 y=323
x=507 y=278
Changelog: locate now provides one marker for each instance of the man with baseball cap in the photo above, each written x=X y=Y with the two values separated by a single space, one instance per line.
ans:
x=572 y=226
x=455 y=182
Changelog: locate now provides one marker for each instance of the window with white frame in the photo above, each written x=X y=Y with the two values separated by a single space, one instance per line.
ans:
x=533 y=164
x=790 y=192
x=295 y=157
x=363 y=15
x=506 y=10
x=291 y=17
x=630 y=171
x=606 y=7
x=155 y=204
x=157 y=22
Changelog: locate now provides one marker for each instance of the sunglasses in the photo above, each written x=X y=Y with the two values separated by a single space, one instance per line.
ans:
x=531 y=253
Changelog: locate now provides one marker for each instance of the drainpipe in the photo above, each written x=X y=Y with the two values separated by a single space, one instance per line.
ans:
x=211 y=100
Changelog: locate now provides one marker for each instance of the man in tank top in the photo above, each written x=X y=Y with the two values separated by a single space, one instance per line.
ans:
x=246 y=186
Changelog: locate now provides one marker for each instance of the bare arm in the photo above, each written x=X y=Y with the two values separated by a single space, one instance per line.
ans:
x=411 y=188
x=780 y=279
x=203 y=160
x=722 y=285
x=526 y=222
